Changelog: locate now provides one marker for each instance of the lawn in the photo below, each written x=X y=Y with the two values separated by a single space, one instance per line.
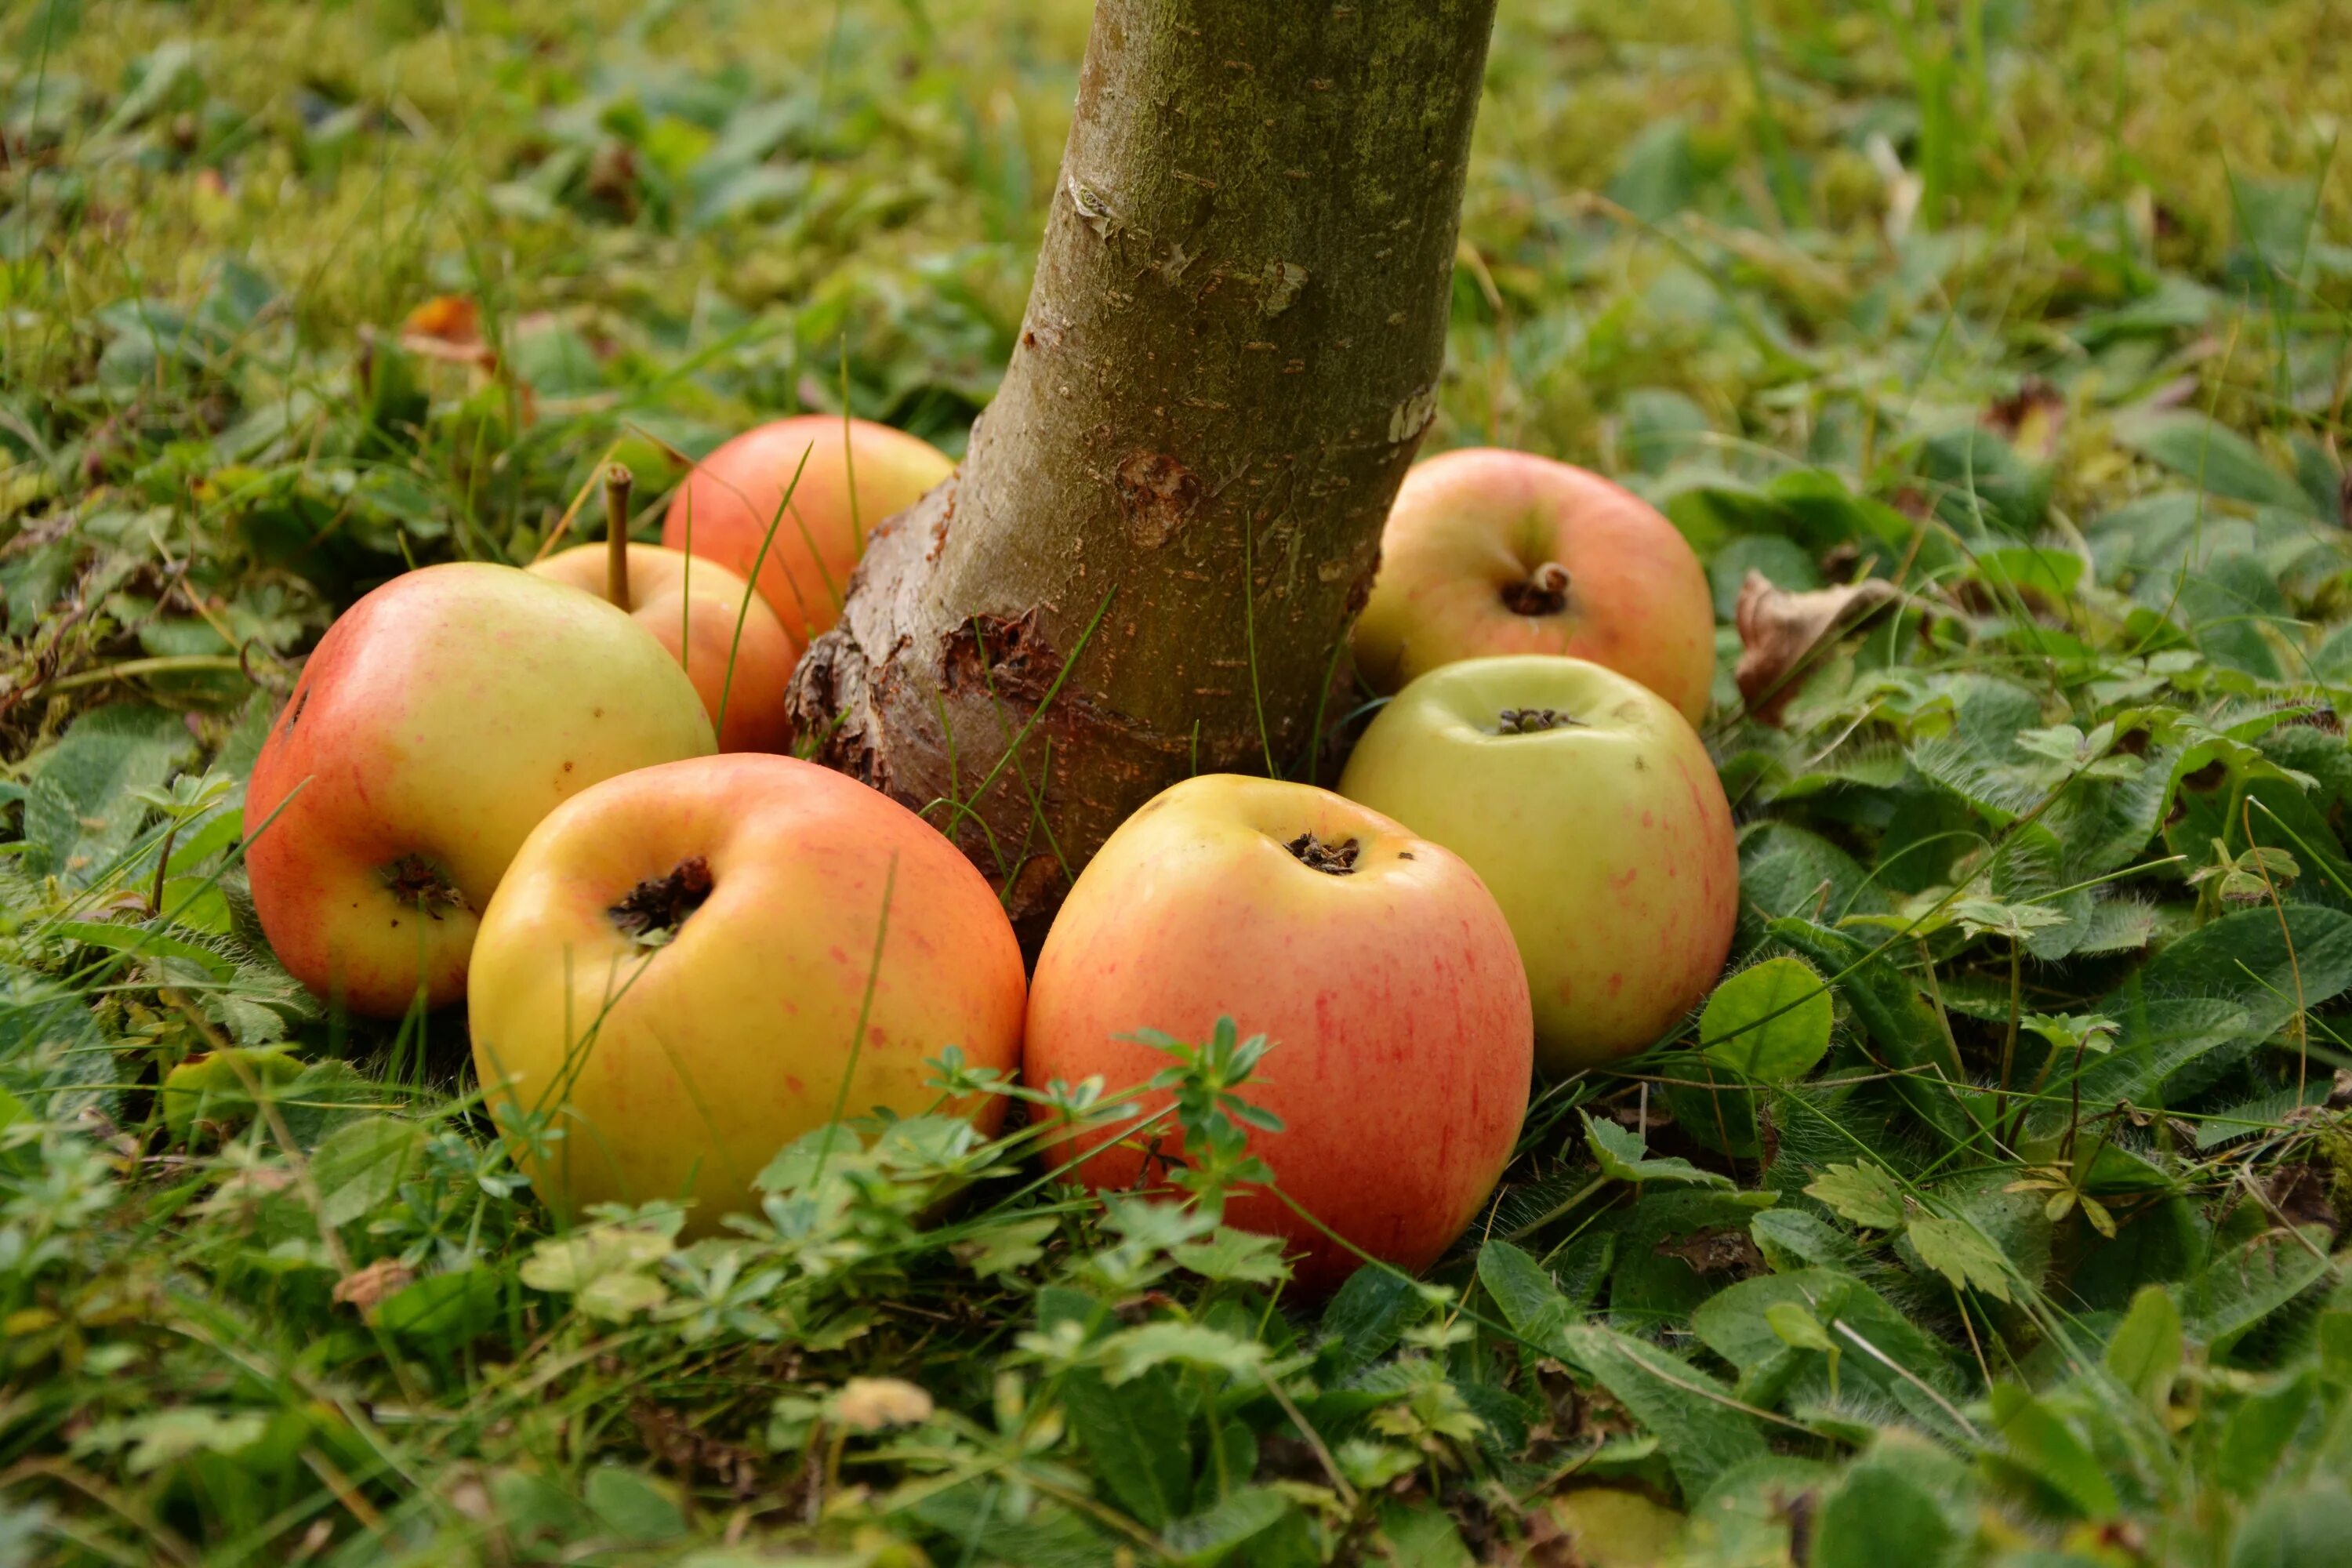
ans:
x=2017 y=1242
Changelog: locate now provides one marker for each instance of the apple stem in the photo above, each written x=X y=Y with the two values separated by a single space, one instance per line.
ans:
x=1319 y=855
x=1533 y=720
x=617 y=483
x=1543 y=592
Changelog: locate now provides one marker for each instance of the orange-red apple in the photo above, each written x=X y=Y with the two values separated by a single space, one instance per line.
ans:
x=1375 y=960
x=1595 y=816
x=676 y=973
x=692 y=607
x=1489 y=552
x=439 y=718
x=858 y=473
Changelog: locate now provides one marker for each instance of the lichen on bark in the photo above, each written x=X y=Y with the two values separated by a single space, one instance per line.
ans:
x=1171 y=510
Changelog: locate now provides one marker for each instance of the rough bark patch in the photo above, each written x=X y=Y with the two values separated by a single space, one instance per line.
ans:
x=1156 y=496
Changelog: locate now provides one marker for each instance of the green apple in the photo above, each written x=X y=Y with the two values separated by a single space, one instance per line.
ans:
x=1593 y=814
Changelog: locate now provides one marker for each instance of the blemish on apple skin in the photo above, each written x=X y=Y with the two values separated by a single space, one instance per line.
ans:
x=1616 y=983
x=875 y=1037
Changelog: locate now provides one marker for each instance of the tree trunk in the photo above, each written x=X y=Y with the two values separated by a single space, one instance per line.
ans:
x=1171 y=511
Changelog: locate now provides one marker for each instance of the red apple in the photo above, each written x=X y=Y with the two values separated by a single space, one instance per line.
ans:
x=1593 y=814
x=438 y=722
x=1375 y=960
x=1489 y=553
x=692 y=607
x=858 y=473
x=676 y=970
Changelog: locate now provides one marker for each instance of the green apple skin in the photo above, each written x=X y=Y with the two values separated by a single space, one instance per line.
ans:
x=1608 y=841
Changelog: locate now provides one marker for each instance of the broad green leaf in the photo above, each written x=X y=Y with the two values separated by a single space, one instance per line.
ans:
x=1230 y=1254
x=81 y=814
x=1797 y=1328
x=2041 y=1445
x=634 y=1507
x=1701 y=1430
x=1129 y=1354
x=360 y=1164
x=2258 y=1432
x=2309 y=1527
x=1624 y=1157
x=1954 y=1249
x=1900 y=1024
x=1866 y=1196
x=2213 y=457
x=2146 y=1351
x=2244 y=958
x=1366 y=1316
x=1217 y=1531
x=2238 y=1289
x=1136 y=1435
x=1879 y=1514
x=1423 y=1535
x=1530 y=1300
x=1770 y=1022
x=447 y=1309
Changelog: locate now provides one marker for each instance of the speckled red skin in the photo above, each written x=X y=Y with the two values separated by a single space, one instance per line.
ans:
x=1468 y=523
x=442 y=716
x=1394 y=994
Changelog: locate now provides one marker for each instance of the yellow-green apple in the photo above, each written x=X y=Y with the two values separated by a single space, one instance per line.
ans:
x=1374 y=960
x=858 y=473
x=1595 y=816
x=439 y=718
x=1489 y=552
x=690 y=967
x=692 y=607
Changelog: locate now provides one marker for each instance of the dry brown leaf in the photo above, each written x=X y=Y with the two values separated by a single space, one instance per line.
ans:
x=1780 y=630
x=871 y=1404
x=452 y=317
x=366 y=1288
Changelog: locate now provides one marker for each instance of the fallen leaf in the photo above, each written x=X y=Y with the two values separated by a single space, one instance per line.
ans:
x=366 y=1288
x=871 y=1404
x=1780 y=630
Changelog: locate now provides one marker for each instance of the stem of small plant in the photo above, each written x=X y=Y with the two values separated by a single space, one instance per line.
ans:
x=163 y=864
x=617 y=483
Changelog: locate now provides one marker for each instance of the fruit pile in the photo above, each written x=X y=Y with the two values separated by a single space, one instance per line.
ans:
x=557 y=793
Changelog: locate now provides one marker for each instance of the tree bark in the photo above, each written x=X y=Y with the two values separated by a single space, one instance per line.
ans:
x=1171 y=511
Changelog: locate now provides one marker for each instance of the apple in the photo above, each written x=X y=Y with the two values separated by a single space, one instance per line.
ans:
x=438 y=720
x=1596 y=818
x=858 y=473
x=692 y=606
x=1489 y=552
x=676 y=973
x=1375 y=960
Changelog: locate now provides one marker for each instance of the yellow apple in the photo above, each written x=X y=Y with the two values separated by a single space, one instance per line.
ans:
x=1488 y=553
x=1595 y=816
x=692 y=607
x=439 y=718
x=1376 y=962
x=690 y=967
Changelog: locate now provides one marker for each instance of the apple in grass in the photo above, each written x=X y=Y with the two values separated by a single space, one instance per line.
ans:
x=693 y=608
x=1595 y=816
x=732 y=507
x=1375 y=960
x=438 y=720
x=1488 y=553
x=688 y=967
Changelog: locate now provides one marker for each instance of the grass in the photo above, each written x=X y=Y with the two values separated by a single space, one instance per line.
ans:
x=2024 y=1250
